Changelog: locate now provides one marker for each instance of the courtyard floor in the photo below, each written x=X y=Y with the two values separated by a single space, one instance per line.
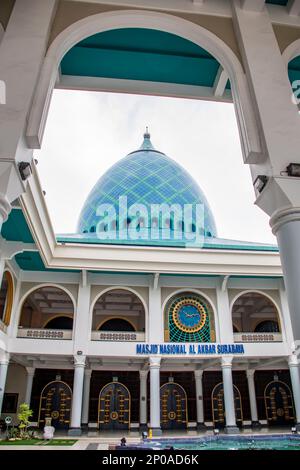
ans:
x=94 y=440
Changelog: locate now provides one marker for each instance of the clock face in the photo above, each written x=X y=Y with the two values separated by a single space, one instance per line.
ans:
x=189 y=315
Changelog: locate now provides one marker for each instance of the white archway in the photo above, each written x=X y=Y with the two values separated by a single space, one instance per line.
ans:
x=263 y=293
x=152 y=20
x=37 y=287
x=125 y=288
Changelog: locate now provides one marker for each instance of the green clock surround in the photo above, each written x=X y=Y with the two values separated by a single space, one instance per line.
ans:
x=189 y=319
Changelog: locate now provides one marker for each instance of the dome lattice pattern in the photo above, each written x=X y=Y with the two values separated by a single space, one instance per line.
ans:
x=147 y=177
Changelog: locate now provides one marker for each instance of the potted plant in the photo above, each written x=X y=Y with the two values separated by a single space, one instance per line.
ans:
x=24 y=414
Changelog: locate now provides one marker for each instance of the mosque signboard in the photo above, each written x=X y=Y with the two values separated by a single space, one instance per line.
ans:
x=189 y=349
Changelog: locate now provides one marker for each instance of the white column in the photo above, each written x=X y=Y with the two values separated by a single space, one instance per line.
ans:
x=86 y=396
x=12 y=329
x=83 y=316
x=22 y=52
x=156 y=318
x=199 y=399
x=295 y=379
x=143 y=399
x=252 y=397
x=224 y=314
x=155 y=396
x=231 y=426
x=79 y=365
x=286 y=226
x=29 y=381
x=271 y=91
x=2 y=265
x=4 y=361
x=287 y=328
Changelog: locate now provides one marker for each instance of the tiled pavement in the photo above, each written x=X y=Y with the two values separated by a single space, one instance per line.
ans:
x=102 y=441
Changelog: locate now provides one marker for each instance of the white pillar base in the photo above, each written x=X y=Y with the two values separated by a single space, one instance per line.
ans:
x=231 y=430
x=156 y=431
x=75 y=432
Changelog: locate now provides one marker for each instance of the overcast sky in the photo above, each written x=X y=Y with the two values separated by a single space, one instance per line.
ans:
x=88 y=131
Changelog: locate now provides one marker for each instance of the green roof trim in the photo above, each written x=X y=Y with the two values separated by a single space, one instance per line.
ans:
x=16 y=228
x=209 y=243
x=32 y=261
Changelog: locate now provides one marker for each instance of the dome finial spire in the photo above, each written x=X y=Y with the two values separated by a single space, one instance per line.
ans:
x=147 y=134
x=147 y=145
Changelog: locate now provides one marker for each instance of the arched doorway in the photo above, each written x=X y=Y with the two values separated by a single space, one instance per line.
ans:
x=173 y=406
x=218 y=406
x=279 y=403
x=114 y=407
x=55 y=403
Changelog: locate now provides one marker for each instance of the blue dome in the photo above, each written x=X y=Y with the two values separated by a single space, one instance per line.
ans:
x=146 y=176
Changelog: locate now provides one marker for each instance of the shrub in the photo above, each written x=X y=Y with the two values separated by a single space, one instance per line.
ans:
x=24 y=414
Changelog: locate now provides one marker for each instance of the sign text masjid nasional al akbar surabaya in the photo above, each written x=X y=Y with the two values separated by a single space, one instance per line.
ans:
x=189 y=349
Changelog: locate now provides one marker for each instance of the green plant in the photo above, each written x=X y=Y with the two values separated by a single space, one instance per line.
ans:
x=24 y=414
x=12 y=432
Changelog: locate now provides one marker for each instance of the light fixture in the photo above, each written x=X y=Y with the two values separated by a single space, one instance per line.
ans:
x=260 y=182
x=25 y=170
x=293 y=169
x=115 y=379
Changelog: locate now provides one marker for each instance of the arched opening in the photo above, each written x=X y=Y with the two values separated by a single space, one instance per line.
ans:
x=116 y=324
x=253 y=312
x=86 y=51
x=84 y=32
x=47 y=307
x=189 y=317
x=118 y=310
x=6 y=297
x=60 y=323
